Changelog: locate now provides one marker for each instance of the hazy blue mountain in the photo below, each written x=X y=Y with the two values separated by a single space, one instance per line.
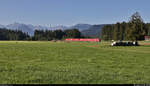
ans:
x=50 y=28
x=31 y=26
x=58 y=27
x=2 y=26
x=39 y=27
x=28 y=28
x=23 y=27
x=86 y=29
x=81 y=27
x=93 y=31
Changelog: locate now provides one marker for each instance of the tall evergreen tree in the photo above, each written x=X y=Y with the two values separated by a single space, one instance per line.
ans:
x=136 y=27
x=133 y=30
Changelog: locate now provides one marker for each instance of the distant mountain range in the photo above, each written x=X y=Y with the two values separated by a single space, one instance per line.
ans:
x=81 y=27
x=85 y=29
x=28 y=28
x=93 y=31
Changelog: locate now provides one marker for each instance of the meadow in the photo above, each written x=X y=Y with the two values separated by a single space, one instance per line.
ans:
x=44 y=62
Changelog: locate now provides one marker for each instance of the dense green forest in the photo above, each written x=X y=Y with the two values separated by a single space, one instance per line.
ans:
x=133 y=30
x=6 y=34
x=47 y=35
x=55 y=34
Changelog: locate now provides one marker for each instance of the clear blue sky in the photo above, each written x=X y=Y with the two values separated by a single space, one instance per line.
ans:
x=70 y=12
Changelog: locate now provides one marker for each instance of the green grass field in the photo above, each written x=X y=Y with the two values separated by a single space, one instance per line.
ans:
x=73 y=63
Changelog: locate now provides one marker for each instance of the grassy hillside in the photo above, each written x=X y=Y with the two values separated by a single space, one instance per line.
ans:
x=76 y=62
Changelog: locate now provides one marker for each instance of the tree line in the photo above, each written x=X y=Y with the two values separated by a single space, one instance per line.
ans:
x=6 y=34
x=39 y=35
x=133 y=30
x=56 y=34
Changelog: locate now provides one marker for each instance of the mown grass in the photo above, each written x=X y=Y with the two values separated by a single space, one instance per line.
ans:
x=23 y=62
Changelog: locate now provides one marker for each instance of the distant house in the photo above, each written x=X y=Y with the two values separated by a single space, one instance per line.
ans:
x=147 y=38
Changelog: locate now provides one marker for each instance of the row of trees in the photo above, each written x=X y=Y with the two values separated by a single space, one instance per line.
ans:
x=6 y=34
x=56 y=34
x=133 y=30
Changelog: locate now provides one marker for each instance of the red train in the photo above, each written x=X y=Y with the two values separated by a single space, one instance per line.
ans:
x=90 y=40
